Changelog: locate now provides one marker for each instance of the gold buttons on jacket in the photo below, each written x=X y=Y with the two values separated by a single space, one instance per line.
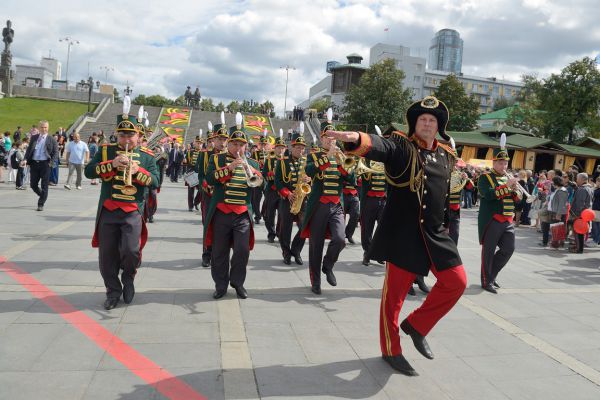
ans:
x=422 y=220
x=424 y=206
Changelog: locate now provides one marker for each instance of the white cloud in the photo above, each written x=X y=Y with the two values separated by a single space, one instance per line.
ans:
x=234 y=49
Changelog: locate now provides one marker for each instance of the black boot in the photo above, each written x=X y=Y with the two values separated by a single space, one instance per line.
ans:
x=400 y=364
x=420 y=281
x=418 y=340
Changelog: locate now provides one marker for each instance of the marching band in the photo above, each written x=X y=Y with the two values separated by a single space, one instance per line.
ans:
x=406 y=184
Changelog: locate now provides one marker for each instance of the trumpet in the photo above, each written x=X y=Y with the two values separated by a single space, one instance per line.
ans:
x=529 y=198
x=272 y=154
x=252 y=179
x=128 y=188
x=376 y=168
x=348 y=163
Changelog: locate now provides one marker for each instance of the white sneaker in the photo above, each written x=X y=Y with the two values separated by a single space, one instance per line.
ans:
x=78 y=187
x=67 y=187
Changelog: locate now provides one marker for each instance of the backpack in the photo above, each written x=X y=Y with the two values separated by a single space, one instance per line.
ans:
x=14 y=164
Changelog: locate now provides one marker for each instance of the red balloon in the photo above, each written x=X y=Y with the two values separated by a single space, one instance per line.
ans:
x=580 y=226
x=588 y=215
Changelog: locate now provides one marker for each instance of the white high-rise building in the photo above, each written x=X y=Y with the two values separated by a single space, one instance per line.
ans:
x=413 y=67
x=52 y=65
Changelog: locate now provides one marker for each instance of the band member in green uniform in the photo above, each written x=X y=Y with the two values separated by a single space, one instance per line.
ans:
x=190 y=162
x=228 y=224
x=216 y=138
x=324 y=216
x=372 y=202
x=271 y=196
x=260 y=155
x=351 y=208
x=498 y=195
x=288 y=171
x=412 y=236
x=126 y=171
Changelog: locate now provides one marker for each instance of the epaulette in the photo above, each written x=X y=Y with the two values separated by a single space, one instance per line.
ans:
x=400 y=133
x=448 y=149
x=147 y=151
x=108 y=144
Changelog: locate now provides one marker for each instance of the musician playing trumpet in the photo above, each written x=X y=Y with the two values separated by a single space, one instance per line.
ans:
x=324 y=216
x=228 y=224
x=287 y=172
x=127 y=172
x=498 y=193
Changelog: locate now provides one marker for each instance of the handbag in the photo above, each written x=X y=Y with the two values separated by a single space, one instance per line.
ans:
x=559 y=233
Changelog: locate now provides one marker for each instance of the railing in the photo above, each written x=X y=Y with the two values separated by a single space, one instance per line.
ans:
x=89 y=117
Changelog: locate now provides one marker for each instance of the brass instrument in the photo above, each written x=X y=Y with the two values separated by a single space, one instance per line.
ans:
x=377 y=167
x=154 y=142
x=128 y=189
x=301 y=190
x=348 y=163
x=272 y=154
x=252 y=179
x=529 y=198
x=457 y=181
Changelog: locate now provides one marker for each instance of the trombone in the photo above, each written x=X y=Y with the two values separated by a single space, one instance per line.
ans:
x=252 y=179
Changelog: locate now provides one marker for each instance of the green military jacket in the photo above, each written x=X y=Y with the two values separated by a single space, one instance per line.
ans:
x=113 y=180
x=230 y=187
x=268 y=172
x=286 y=174
x=496 y=198
x=327 y=180
x=371 y=182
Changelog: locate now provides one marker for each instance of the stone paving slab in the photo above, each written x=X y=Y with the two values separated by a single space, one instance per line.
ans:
x=283 y=342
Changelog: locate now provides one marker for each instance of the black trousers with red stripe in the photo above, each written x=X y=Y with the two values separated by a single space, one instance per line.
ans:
x=326 y=217
x=371 y=212
x=501 y=236
x=450 y=285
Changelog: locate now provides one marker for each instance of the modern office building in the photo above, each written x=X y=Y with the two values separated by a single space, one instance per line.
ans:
x=413 y=67
x=445 y=51
x=485 y=90
x=423 y=82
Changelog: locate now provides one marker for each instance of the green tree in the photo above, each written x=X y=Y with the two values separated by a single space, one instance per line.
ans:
x=267 y=108
x=206 y=104
x=378 y=98
x=220 y=107
x=463 y=109
x=502 y=102
x=140 y=100
x=179 y=101
x=321 y=104
x=526 y=113
x=571 y=100
x=157 y=100
x=234 y=106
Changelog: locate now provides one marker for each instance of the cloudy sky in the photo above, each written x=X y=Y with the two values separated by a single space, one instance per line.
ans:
x=235 y=49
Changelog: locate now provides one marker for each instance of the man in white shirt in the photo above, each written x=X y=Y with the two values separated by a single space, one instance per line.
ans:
x=78 y=154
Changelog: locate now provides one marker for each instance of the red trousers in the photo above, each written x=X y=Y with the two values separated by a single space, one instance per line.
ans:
x=450 y=285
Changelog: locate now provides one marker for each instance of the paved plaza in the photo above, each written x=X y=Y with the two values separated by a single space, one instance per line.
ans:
x=539 y=338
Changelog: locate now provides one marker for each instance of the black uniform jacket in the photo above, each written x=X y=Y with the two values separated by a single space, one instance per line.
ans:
x=412 y=234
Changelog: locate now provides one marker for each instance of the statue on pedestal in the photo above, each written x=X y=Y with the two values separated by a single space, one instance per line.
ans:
x=7 y=36
x=6 y=75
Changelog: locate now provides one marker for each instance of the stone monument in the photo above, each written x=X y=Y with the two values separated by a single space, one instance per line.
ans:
x=6 y=74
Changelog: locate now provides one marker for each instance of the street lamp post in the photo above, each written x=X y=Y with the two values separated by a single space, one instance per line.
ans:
x=287 y=74
x=107 y=68
x=89 y=84
x=128 y=90
x=70 y=42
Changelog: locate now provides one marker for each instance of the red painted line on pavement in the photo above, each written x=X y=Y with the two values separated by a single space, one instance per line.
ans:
x=150 y=372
